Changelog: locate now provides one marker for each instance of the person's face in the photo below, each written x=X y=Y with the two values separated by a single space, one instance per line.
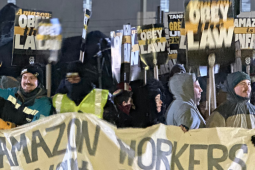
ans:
x=127 y=103
x=158 y=103
x=29 y=82
x=243 y=88
x=197 y=92
x=73 y=79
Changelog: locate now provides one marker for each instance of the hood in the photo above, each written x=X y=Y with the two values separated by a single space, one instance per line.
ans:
x=232 y=80
x=177 y=68
x=181 y=86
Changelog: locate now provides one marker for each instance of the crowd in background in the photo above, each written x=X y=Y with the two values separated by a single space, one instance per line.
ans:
x=177 y=98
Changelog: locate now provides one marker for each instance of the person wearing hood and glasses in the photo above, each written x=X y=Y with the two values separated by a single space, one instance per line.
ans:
x=149 y=104
x=26 y=103
x=75 y=94
x=183 y=110
x=236 y=111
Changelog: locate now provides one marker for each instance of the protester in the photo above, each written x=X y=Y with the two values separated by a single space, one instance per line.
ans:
x=183 y=110
x=75 y=94
x=177 y=68
x=149 y=104
x=26 y=103
x=122 y=100
x=236 y=111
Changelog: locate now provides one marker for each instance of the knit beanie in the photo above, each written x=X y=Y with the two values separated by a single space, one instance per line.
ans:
x=34 y=69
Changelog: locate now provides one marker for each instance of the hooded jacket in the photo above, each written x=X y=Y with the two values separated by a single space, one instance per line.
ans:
x=183 y=110
x=236 y=111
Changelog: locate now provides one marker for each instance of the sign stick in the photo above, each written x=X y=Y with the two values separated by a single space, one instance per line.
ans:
x=211 y=88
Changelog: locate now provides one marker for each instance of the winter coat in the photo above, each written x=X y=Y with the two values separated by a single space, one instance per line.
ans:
x=236 y=111
x=14 y=110
x=183 y=110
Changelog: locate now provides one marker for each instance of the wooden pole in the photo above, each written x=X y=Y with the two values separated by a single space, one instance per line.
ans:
x=212 y=89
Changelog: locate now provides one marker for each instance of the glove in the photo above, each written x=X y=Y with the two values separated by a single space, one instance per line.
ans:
x=184 y=128
x=253 y=140
x=11 y=114
x=6 y=125
x=2 y=103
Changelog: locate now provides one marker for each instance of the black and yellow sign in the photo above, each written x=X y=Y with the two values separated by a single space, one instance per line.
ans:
x=209 y=26
x=26 y=49
x=174 y=25
x=153 y=45
x=245 y=32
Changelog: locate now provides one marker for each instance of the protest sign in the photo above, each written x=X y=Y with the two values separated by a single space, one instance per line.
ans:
x=174 y=25
x=33 y=32
x=209 y=27
x=83 y=141
x=245 y=32
x=116 y=42
x=153 y=45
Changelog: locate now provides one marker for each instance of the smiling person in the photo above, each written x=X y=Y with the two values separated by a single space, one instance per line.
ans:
x=26 y=103
x=183 y=110
x=236 y=111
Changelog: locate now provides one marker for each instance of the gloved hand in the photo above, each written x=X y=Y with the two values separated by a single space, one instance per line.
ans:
x=253 y=139
x=184 y=128
x=6 y=125
x=2 y=103
x=11 y=114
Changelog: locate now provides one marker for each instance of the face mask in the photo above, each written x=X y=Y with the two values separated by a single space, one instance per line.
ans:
x=125 y=109
x=77 y=91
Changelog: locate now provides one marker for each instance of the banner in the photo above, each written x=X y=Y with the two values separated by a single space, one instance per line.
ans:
x=26 y=48
x=116 y=42
x=83 y=142
x=209 y=27
x=153 y=45
x=174 y=25
x=245 y=32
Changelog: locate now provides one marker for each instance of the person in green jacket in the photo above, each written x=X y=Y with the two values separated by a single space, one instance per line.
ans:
x=76 y=94
x=28 y=102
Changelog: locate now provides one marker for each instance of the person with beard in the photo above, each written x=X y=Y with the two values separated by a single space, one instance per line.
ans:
x=26 y=103
x=236 y=111
x=183 y=110
x=149 y=104
x=75 y=94
x=122 y=100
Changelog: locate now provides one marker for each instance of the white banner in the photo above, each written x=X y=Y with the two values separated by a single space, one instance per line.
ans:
x=74 y=141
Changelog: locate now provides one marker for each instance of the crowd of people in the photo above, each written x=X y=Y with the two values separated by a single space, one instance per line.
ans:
x=172 y=103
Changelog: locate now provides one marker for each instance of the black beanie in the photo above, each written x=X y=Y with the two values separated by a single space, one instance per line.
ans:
x=35 y=69
x=74 y=67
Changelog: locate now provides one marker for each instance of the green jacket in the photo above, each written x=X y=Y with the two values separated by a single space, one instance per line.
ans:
x=41 y=106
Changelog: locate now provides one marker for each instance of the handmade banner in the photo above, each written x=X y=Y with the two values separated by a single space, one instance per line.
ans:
x=26 y=48
x=245 y=32
x=116 y=42
x=174 y=25
x=209 y=27
x=153 y=45
x=82 y=141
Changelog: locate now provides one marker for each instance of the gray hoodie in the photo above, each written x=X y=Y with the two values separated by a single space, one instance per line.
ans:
x=183 y=110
